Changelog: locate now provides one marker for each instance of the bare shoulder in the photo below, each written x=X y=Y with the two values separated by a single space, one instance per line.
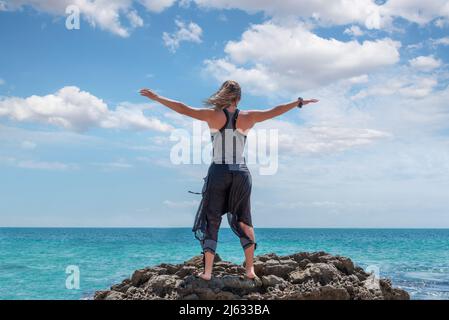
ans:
x=216 y=114
x=245 y=113
x=206 y=111
x=216 y=118
x=204 y=114
x=245 y=120
x=248 y=114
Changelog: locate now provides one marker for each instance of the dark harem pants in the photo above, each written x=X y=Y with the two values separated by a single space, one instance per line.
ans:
x=226 y=190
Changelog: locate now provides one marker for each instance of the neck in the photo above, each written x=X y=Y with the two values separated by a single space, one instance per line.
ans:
x=232 y=108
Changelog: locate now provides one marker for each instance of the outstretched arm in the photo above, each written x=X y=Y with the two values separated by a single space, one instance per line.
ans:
x=262 y=115
x=196 y=113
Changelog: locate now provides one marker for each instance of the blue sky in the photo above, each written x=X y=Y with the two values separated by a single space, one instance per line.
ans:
x=80 y=147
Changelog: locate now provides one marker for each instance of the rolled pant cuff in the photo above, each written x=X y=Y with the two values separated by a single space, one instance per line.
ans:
x=245 y=242
x=209 y=245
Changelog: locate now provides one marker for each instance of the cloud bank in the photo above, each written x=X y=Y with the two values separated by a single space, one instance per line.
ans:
x=73 y=109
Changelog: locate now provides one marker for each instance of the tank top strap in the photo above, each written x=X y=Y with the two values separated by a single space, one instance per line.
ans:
x=226 y=125
x=230 y=123
x=234 y=121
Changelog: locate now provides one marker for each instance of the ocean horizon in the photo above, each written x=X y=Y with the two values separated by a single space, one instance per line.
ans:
x=34 y=261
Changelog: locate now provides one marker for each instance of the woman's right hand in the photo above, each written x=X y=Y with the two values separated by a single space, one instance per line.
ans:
x=304 y=102
x=149 y=94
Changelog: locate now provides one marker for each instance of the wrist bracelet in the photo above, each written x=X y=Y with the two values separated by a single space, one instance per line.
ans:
x=300 y=102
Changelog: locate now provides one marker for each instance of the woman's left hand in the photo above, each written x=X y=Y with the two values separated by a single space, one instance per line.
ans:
x=148 y=93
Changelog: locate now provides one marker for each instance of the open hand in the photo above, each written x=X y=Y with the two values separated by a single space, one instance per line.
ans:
x=304 y=102
x=148 y=93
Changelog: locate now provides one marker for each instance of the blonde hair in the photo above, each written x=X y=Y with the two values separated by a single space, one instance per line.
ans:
x=228 y=93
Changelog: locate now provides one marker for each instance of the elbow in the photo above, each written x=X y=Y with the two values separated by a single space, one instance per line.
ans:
x=182 y=109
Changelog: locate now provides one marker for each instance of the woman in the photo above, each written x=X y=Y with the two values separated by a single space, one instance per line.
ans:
x=227 y=187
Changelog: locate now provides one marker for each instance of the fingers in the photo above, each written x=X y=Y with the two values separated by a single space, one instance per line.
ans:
x=147 y=93
x=310 y=101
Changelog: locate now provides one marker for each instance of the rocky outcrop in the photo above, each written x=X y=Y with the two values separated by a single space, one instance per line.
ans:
x=300 y=276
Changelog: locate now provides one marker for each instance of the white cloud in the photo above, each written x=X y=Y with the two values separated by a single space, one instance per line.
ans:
x=135 y=20
x=2 y=82
x=393 y=115
x=421 y=12
x=104 y=14
x=323 y=140
x=339 y=12
x=441 y=41
x=354 y=31
x=415 y=46
x=441 y=23
x=333 y=126
x=157 y=5
x=359 y=79
x=409 y=87
x=184 y=3
x=185 y=32
x=73 y=109
x=408 y=106
x=425 y=63
x=290 y=59
x=36 y=164
x=107 y=15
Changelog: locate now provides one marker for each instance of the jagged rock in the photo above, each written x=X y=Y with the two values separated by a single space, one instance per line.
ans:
x=114 y=295
x=279 y=270
x=318 y=272
x=271 y=280
x=170 y=268
x=299 y=276
x=241 y=286
x=140 y=276
x=162 y=284
x=101 y=295
x=185 y=271
x=258 y=267
x=327 y=293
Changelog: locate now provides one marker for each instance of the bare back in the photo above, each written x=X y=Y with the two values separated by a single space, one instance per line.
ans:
x=217 y=120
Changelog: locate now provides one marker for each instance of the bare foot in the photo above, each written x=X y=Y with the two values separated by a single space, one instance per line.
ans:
x=204 y=276
x=250 y=274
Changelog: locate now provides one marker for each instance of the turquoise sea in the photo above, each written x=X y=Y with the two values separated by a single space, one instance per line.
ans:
x=33 y=261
